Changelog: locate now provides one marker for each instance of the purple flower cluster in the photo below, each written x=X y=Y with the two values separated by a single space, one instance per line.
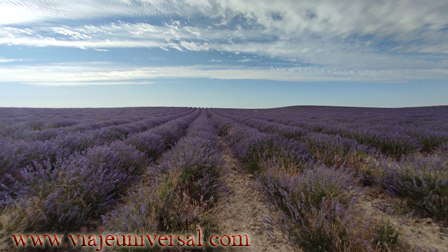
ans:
x=81 y=187
x=423 y=182
x=154 y=142
x=320 y=203
x=337 y=151
x=252 y=146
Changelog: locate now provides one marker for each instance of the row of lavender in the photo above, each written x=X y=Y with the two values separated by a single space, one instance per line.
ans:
x=18 y=154
x=331 y=150
x=74 y=187
x=395 y=132
x=421 y=180
x=432 y=118
x=177 y=193
x=319 y=201
x=45 y=124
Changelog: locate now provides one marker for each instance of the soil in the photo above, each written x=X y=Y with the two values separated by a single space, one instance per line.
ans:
x=244 y=209
x=421 y=234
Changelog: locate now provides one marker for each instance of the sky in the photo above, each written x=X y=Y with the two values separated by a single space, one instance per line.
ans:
x=223 y=53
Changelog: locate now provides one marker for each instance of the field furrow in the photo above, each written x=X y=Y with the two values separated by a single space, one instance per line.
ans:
x=244 y=209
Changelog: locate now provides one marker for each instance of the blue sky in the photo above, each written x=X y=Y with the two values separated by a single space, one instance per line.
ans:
x=228 y=53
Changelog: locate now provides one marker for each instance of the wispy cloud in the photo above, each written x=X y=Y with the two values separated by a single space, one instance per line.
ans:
x=101 y=73
x=5 y=60
x=8 y=60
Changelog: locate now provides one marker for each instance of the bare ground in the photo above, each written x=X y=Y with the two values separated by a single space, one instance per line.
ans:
x=421 y=234
x=246 y=210
x=3 y=242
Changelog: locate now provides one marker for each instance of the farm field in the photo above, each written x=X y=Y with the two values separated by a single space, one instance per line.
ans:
x=298 y=178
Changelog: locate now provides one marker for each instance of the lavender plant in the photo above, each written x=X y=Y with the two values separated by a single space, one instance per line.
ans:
x=422 y=181
x=252 y=147
x=66 y=196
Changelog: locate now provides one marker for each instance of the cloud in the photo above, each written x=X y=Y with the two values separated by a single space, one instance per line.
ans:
x=102 y=73
x=7 y=60
x=334 y=53
x=337 y=39
x=70 y=33
x=342 y=17
x=100 y=50
x=245 y=60
x=113 y=35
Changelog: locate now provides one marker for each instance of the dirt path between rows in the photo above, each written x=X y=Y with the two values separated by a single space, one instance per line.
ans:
x=246 y=210
x=421 y=234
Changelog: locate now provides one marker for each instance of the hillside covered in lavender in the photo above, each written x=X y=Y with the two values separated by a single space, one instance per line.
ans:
x=305 y=178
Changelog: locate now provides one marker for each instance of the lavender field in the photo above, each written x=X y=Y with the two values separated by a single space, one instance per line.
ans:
x=294 y=178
